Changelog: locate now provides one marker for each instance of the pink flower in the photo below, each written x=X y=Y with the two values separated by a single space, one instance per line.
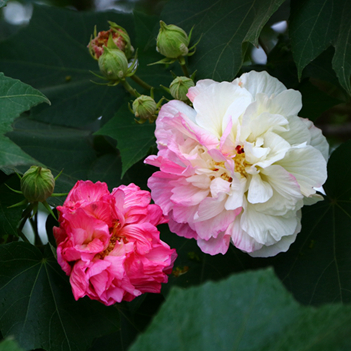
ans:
x=238 y=166
x=109 y=245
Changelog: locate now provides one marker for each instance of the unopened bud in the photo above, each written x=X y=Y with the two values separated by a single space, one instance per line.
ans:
x=37 y=184
x=172 y=41
x=119 y=37
x=113 y=64
x=144 y=107
x=180 y=86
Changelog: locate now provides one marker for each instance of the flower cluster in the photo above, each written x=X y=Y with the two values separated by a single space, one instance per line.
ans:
x=109 y=245
x=237 y=166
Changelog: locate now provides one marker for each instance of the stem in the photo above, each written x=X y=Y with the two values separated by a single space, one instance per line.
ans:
x=263 y=46
x=25 y=216
x=34 y=224
x=141 y=82
x=183 y=65
x=130 y=90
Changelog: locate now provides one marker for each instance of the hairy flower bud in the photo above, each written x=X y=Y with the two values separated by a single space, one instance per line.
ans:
x=144 y=107
x=172 y=41
x=180 y=86
x=37 y=184
x=119 y=37
x=113 y=64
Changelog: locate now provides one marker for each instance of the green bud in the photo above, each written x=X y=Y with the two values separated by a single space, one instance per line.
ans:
x=37 y=184
x=180 y=86
x=172 y=41
x=113 y=64
x=144 y=107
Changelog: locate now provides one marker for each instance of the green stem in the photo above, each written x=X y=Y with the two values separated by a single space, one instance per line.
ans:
x=263 y=46
x=141 y=82
x=34 y=224
x=130 y=90
x=183 y=66
x=26 y=214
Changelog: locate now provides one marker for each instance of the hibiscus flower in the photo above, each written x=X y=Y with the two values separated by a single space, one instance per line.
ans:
x=237 y=166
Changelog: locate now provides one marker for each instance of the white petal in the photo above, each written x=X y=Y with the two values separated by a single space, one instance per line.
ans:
x=242 y=100
x=254 y=154
x=312 y=199
x=212 y=104
x=281 y=246
x=278 y=148
x=259 y=190
x=308 y=167
x=260 y=82
x=236 y=196
x=267 y=229
x=200 y=86
x=318 y=140
x=241 y=239
x=282 y=181
x=287 y=103
x=219 y=186
x=298 y=132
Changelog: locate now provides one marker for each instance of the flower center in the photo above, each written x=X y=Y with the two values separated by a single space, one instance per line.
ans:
x=113 y=240
x=222 y=172
x=240 y=161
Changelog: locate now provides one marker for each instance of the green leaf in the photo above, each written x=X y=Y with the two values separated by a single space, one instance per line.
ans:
x=15 y=98
x=342 y=59
x=3 y=3
x=9 y=345
x=58 y=148
x=314 y=101
x=249 y=311
x=134 y=140
x=51 y=54
x=37 y=305
x=9 y=217
x=317 y=24
x=317 y=267
x=224 y=25
x=314 y=26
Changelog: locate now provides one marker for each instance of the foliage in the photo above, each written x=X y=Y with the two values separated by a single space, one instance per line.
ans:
x=52 y=114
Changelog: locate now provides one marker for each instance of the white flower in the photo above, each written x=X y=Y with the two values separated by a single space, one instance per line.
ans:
x=238 y=166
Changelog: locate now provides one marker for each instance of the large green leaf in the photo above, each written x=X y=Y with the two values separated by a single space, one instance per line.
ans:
x=15 y=98
x=342 y=58
x=317 y=24
x=51 y=54
x=134 y=140
x=37 y=305
x=9 y=217
x=67 y=149
x=314 y=26
x=9 y=345
x=249 y=311
x=224 y=25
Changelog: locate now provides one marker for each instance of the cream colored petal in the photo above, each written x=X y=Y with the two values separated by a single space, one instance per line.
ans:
x=260 y=82
x=318 y=140
x=259 y=190
x=308 y=166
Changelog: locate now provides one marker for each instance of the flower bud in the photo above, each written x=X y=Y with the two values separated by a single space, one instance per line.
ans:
x=172 y=41
x=37 y=184
x=144 y=107
x=180 y=86
x=113 y=64
x=119 y=37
